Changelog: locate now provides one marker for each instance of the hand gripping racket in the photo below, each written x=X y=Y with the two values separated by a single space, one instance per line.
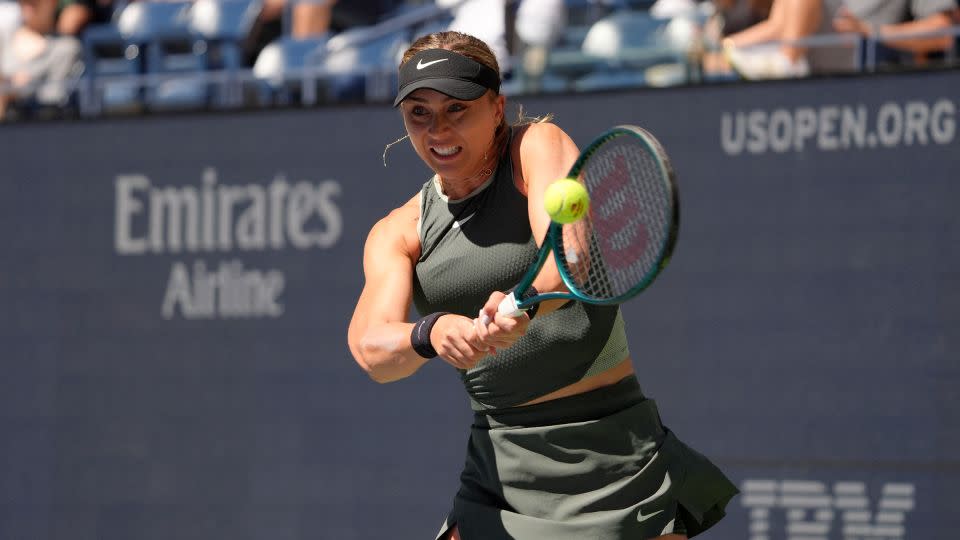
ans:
x=625 y=239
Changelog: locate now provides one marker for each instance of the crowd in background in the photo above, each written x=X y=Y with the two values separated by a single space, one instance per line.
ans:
x=39 y=46
x=908 y=32
x=41 y=54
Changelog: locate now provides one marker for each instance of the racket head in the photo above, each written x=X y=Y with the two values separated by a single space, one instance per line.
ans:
x=629 y=233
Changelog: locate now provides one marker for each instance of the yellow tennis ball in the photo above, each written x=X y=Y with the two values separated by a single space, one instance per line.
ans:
x=566 y=200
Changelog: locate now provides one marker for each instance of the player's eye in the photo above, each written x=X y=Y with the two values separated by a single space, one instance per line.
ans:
x=418 y=110
x=456 y=107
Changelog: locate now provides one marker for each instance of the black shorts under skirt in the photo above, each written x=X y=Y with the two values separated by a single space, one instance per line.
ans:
x=597 y=465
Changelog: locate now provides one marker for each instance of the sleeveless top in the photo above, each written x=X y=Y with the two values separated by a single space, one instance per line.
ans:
x=483 y=243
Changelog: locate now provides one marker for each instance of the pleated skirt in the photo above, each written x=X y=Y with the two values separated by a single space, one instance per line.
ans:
x=597 y=465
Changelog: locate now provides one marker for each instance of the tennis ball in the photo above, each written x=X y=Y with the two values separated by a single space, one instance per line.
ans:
x=566 y=200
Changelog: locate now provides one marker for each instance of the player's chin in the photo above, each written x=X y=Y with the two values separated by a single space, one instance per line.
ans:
x=447 y=167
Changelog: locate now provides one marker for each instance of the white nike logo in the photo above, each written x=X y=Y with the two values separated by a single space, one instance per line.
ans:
x=421 y=65
x=641 y=517
x=664 y=488
x=458 y=224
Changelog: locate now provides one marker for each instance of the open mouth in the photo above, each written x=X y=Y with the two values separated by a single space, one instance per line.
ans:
x=445 y=151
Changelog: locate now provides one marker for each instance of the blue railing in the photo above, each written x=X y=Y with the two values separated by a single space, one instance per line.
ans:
x=166 y=55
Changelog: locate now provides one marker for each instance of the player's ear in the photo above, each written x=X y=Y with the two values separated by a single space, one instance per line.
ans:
x=500 y=103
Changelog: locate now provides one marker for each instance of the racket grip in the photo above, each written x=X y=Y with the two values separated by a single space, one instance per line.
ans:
x=508 y=307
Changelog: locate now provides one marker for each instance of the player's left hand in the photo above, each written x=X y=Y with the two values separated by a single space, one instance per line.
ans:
x=501 y=331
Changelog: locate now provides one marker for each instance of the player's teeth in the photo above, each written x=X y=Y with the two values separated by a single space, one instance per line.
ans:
x=446 y=151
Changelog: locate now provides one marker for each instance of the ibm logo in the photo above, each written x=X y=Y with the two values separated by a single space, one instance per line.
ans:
x=815 y=513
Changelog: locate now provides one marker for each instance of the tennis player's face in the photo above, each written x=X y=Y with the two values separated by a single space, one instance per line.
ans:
x=450 y=135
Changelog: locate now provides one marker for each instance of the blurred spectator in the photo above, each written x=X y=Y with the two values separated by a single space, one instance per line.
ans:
x=73 y=16
x=351 y=14
x=311 y=18
x=9 y=22
x=484 y=19
x=534 y=28
x=889 y=21
x=9 y=16
x=65 y=17
x=307 y=18
x=789 y=20
x=884 y=22
x=36 y=64
x=732 y=16
x=729 y=17
x=670 y=9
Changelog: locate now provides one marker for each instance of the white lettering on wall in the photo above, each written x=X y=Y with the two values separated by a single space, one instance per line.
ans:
x=231 y=291
x=814 y=512
x=218 y=217
x=830 y=128
x=215 y=217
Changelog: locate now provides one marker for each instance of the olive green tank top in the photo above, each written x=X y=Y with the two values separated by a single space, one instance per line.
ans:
x=483 y=243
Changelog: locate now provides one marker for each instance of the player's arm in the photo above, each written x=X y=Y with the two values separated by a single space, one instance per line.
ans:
x=379 y=334
x=546 y=155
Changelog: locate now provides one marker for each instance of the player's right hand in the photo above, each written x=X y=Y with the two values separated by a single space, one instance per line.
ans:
x=454 y=337
x=495 y=330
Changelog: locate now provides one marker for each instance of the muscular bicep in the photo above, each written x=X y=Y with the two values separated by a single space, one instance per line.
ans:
x=388 y=281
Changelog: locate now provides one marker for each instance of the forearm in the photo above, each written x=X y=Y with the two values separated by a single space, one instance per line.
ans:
x=386 y=353
x=73 y=19
x=761 y=32
x=900 y=35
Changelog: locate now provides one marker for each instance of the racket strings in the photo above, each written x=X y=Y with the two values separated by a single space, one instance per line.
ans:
x=619 y=245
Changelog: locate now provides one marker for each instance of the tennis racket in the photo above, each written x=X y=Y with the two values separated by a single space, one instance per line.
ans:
x=625 y=240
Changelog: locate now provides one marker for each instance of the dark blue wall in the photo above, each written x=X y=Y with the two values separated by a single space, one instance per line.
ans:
x=804 y=336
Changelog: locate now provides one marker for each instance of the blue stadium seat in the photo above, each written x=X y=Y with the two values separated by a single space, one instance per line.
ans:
x=359 y=65
x=279 y=67
x=615 y=52
x=109 y=62
x=223 y=25
x=628 y=39
x=586 y=12
x=172 y=52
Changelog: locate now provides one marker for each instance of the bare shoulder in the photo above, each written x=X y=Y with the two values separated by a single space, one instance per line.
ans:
x=542 y=137
x=397 y=231
x=543 y=152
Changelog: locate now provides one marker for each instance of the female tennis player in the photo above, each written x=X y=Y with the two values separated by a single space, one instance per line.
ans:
x=564 y=445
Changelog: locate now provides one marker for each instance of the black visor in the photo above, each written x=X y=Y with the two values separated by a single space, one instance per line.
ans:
x=447 y=72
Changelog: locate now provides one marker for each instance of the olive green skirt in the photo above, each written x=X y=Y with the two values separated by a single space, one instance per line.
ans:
x=598 y=465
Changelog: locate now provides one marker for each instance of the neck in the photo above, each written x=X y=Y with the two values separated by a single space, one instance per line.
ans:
x=460 y=188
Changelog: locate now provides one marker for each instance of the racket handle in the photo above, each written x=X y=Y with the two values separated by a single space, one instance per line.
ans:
x=508 y=307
